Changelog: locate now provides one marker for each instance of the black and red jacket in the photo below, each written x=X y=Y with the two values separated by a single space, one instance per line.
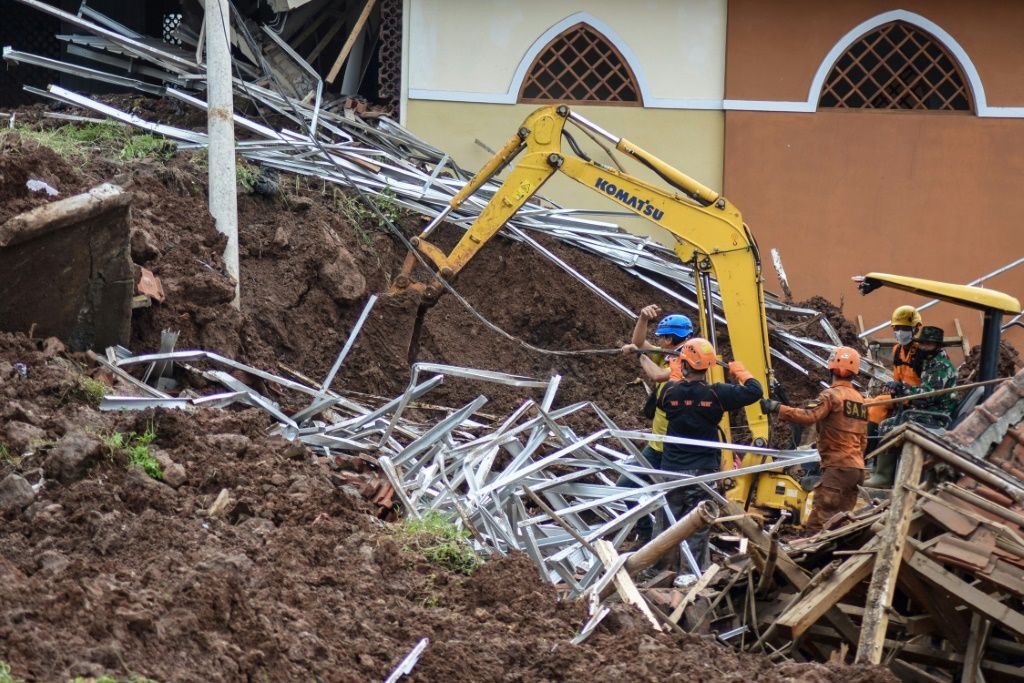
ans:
x=694 y=410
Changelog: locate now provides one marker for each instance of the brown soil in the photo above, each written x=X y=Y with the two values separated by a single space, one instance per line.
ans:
x=112 y=572
x=1009 y=362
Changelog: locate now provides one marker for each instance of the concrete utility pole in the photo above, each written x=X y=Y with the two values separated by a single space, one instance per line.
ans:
x=220 y=127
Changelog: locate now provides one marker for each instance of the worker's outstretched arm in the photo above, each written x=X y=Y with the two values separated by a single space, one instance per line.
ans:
x=735 y=396
x=807 y=416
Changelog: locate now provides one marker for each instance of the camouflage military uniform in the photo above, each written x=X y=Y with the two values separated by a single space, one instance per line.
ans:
x=938 y=372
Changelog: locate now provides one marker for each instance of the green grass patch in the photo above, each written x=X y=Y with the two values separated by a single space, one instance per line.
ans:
x=136 y=447
x=6 y=676
x=147 y=146
x=90 y=390
x=74 y=142
x=246 y=175
x=440 y=541
x=5 y=454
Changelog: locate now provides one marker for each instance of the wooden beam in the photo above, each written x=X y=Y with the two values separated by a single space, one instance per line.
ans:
x=347 y=47
x=823 y=597
x=890 y=554
x=938 y=604
x=913 y=674
x=623 y=583
x=975 y=649
x=789 y=569
x=923 y=654
x=975 y=599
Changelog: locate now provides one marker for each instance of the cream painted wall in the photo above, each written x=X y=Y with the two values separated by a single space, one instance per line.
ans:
x=690 y=140
x=475 y=46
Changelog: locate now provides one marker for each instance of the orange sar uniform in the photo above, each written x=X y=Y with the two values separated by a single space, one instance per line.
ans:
x=842 y=436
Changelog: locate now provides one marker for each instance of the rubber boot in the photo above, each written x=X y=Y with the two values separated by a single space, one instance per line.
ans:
x=885 y=471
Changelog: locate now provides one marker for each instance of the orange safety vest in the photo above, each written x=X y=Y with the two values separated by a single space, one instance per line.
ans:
x=907 y=362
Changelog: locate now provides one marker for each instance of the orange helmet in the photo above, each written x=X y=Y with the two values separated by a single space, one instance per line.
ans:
x=698 y=353
x=844 y=361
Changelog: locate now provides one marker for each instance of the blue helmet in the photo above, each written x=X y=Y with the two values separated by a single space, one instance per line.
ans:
x=675 y=325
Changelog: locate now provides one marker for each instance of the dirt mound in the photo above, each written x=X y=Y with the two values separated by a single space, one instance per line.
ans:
x=23 y=159
x=263 y=564
x=114 y=572
x=1007 y=366
x=309 y=258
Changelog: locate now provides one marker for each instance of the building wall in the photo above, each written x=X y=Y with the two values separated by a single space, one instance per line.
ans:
x=930 y=194
x=690 y=140
x=844 y=192
x=467 y=59
x=471 y=50
x=988 y=30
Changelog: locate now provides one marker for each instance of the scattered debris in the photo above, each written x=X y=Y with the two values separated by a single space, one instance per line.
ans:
x=34 y=185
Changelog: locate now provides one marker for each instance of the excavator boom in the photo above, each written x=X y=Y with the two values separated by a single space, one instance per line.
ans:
x=708 y=229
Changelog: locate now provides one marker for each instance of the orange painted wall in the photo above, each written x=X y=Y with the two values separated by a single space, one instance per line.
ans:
x=774 y=48
x=932 y=195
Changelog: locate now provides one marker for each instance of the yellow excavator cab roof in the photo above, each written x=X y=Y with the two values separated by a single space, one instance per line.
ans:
x=963 y=295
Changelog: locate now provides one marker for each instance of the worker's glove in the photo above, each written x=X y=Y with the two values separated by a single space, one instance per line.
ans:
x=737 y=370
x=896 y=389
x=768 y=406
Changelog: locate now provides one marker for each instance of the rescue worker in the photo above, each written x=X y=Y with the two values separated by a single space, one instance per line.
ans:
x=937 y=372
x=671 y=332
x=842 y=436
x=906 y=372
x=694 y=409
x=906 y=359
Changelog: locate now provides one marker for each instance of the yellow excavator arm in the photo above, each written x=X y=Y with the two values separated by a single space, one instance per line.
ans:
x=709 y=230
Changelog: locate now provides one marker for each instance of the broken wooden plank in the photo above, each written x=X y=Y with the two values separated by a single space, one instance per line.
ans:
x=623 y=583
x=973 y=653
x=789 y=569
x=803 y=614
x=890 y=554
x=975 y=599
x=357 y=28
x=706 y=578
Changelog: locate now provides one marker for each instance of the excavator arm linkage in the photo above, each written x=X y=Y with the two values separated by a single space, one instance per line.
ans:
x=709 y=231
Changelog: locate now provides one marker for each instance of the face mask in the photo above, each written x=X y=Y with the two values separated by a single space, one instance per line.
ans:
x=904 y=337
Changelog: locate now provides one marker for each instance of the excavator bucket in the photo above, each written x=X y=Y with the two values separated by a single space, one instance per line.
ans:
x=403 y=294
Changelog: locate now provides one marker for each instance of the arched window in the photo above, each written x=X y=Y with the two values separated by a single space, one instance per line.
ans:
x=896 y=66
x=580 y=66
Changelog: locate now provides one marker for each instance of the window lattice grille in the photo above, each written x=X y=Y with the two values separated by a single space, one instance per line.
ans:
x=896 y=66
x=580 y=66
